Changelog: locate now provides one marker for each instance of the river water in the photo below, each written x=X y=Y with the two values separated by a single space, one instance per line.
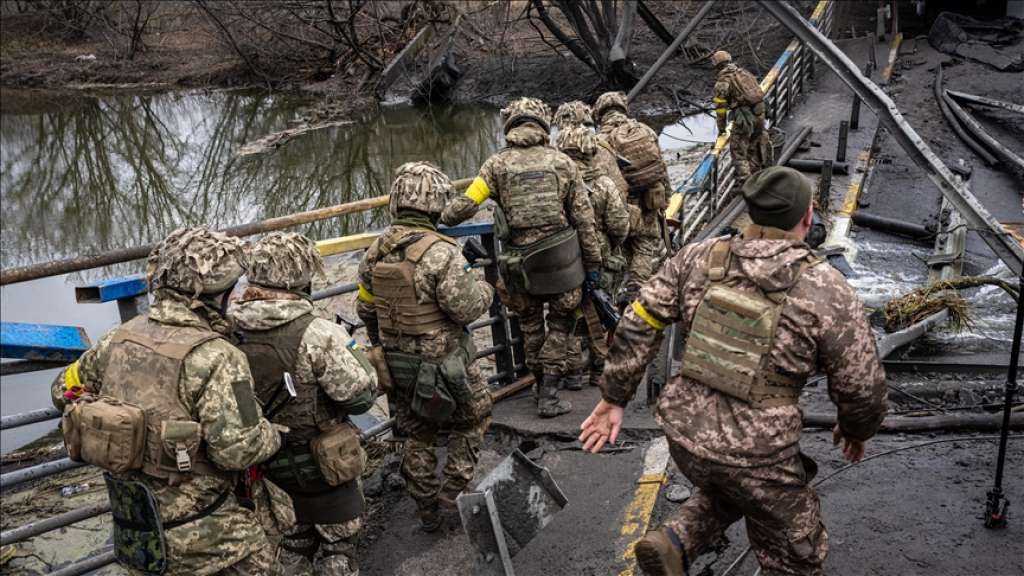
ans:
x=82 y=174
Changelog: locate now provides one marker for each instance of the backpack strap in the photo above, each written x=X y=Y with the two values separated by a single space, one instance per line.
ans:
x=718 y=260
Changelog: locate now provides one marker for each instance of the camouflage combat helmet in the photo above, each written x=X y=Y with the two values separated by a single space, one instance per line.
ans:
x=577 y=141
x=721 y=57
x=610 y=101
x=194 y=260
x=526 y=109
x=573 y=113
x=284 y=260
x=419 y=186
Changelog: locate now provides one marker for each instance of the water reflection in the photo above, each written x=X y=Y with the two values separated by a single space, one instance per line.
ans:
x=88 y=174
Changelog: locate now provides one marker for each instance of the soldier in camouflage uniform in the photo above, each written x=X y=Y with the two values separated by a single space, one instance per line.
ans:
x=645 y=246
x=175 y=363
x=731 y=415
x=416 y=296
x=276 y=328
x=577 y=113
x=612 y=219
x=739 y=98
x=541 y=198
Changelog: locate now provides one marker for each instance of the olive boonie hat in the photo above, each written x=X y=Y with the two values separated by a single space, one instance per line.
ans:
x=777 y=196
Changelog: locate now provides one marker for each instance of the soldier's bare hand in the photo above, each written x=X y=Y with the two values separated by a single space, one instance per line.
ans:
x=601 y=427
x=853 y=450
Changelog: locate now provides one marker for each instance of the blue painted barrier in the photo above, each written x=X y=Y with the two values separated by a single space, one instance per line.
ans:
x=111 y=289
x=42 y=341
x=463 y=230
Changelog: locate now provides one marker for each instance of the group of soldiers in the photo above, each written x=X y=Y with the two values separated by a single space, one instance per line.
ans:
x=222 y=419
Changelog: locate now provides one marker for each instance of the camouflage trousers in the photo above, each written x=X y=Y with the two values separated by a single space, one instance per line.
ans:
x=782 y=512
x=746 y=150
x=547 y=336
x=320 y=549
x=465 y=434
x=257 y=563
x=644 y=250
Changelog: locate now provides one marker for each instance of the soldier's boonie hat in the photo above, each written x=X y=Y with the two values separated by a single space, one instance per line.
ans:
x=284 y=260
x=610 y=101
x=526 y=109
x=195 y=260
x=777 y=196
x=721 y=57
x=573 y=113
x=577 y=140
x=419 y=186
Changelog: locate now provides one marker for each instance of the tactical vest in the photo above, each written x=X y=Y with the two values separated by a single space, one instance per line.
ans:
x=532 y=197
x=399 y=310
x=273 y=352
x=731 y=338
x=638 y=144
x=144 y=370
x=745 y=88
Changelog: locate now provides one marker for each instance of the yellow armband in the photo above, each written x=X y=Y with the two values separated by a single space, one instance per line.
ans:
x=647 y=317
x=478 y=191
x=73 y=388
x=364 y=294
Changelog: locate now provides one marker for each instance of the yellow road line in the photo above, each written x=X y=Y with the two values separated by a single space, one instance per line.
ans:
x=856 y=184
x=894 y=51
x=637 y=517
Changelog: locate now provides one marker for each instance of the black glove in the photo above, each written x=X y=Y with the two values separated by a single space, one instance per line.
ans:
x=473 y=250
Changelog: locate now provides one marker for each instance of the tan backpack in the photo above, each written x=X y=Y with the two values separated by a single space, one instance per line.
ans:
x=746 y=88
x=638 y=144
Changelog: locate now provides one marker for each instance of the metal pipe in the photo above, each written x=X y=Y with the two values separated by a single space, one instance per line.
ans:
x=890 y=342
x=690 y=27
x=966 y=138
x=970 y=124
x=30 y=417
x=335 y=291
x=978 y=218
x=483 y=323
x=55 y=267
x=87 y=565
x=817 y=165
x=825 y=186
x=38 y=471
x=24 y=366
x=844 y=132
x=38 y=527
x=1018 y=108
x=855 y=113
x=886 y=224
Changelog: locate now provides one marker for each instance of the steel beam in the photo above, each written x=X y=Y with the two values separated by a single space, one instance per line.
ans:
x=1018 y=108
x=111 y=289
x=30 y=417
x=978 y=218
x=690 y=27
x=42 y=341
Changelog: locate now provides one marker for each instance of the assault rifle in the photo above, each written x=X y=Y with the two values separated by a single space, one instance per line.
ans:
x=473 y=250
x=607 y=313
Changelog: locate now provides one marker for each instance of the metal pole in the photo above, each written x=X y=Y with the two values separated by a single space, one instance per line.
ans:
x=844 y=131
x=30 y=417
x=855 y=113
x=995 y=506
x=87 y=565
x=38 y=471
x=690 y=27
x=825 y=185
x=59 y=521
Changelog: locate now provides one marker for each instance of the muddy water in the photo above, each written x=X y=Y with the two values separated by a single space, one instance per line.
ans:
x=83 y=174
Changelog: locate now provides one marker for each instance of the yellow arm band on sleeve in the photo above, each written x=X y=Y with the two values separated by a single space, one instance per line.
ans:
x=71 y=379
x=647 y=317
x=478 y=191
x=721 y=112
x=365 y=295
x=720 y=101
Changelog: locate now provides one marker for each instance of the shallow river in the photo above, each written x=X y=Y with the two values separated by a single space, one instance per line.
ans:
x=82 y=174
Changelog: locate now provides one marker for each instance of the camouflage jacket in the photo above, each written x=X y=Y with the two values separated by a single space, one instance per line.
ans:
x=610 y=212
x=528 y=144
x=822 y=326
x=208 y=382
x=604 y=160
x=441 y=276
x=726 y=88
x=324 y=358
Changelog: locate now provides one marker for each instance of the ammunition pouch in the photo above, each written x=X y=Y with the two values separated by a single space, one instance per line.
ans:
x=743 y=121
x=552 y=265
x=105 y=432
x=339 y=456
x=434 y=387
x=654 y=197
x=501 y=228
x=295 y=469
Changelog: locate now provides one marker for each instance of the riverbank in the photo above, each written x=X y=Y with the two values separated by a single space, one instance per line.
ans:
x=503 y=51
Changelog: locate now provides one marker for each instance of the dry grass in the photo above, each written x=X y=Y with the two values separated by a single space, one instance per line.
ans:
x=921 y=303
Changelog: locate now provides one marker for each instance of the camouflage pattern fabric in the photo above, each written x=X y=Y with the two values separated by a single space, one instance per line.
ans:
x=231 y=535
x=575 y=113
x=524 y=109
x=419 y=186
x=822 y=326
x=324 y=360
x=781 y=511
x=196 y=261
x=609 y=102
x=442 y=275
x=743 y=143
x=138 y=534
x=548 y=335
x=284 y=260
x=320 y=549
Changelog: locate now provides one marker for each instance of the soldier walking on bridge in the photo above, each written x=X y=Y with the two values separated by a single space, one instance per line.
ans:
x=165 y=404
x=416 y=296
x=762 y=313
x=545 y=221
x=577 y=113
x=738 y=97
x=276 y=328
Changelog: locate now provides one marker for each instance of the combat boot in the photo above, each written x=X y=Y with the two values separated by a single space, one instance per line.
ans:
x=573 y=380
x=446 y=500
x=430 y=518
x=595 y=374
x=548 y=404
x=659 y=553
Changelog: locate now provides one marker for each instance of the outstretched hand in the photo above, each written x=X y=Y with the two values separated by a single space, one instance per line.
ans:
x=853 y=450
x=601 y=427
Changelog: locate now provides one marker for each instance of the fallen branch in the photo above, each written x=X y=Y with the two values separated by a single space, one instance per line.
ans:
x=923 y=302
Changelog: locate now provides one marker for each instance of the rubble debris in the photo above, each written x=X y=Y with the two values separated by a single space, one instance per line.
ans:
x=967 y=139
x=972 y=126
x=976 y=40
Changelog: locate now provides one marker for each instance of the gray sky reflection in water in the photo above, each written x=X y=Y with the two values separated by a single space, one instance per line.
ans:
x=80 y=175
x=93 y=174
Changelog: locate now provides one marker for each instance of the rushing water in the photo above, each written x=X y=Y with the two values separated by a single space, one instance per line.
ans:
x=82 y=174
